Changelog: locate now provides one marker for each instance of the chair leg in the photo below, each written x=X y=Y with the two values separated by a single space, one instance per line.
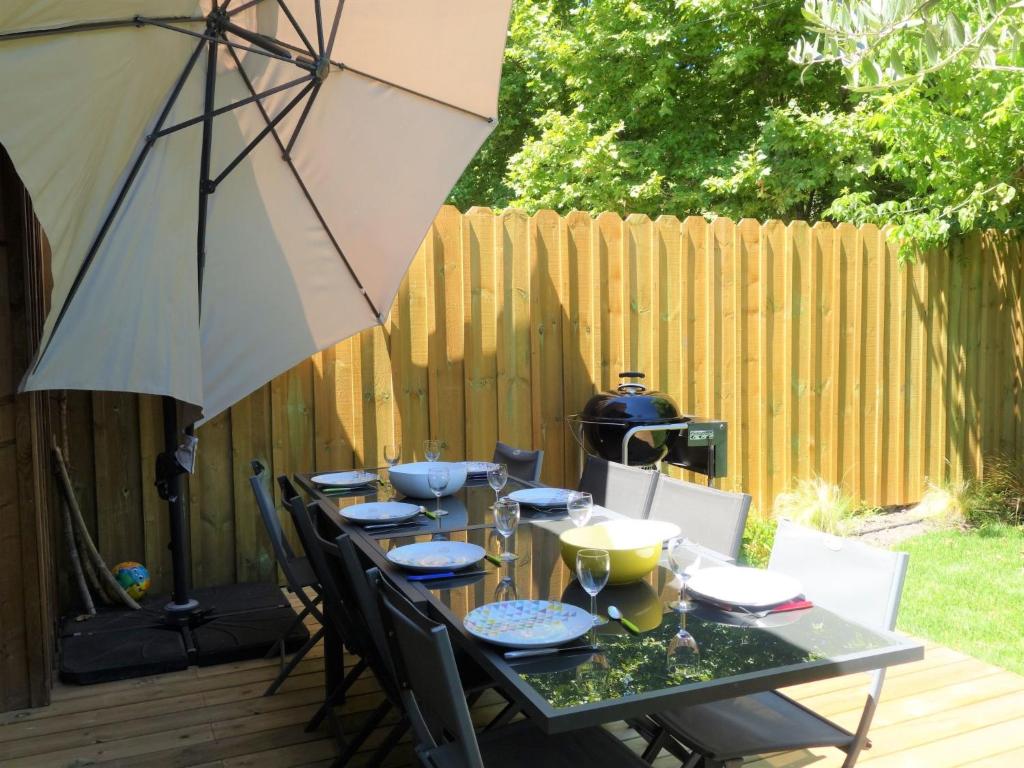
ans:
x=337 y=696
x=655 y=746
x=294 y=662
x=281 y=640
x=509 y=711
x=364 y=733
x=390 y=741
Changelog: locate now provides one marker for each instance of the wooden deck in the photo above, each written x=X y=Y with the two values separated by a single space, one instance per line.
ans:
x=948 y=710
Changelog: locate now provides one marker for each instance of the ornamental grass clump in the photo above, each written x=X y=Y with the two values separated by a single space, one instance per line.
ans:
x=818 y=504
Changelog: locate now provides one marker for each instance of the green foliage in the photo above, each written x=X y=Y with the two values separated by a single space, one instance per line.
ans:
x=694 y=107
x=998 y=496
x=630 y=106
x=758 y=538
x=964 y=589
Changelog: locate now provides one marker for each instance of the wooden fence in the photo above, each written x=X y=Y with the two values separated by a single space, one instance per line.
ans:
x=826 y=357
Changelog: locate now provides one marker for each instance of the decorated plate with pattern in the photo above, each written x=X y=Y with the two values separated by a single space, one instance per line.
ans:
x=427 y=556
x=528 y=623
x=380 y=512
x=353 y=479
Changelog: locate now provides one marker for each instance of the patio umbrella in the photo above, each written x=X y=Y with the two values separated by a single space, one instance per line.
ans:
x=229 y=186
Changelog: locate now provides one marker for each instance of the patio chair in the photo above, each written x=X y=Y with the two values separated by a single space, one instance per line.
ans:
x=707 y=516
x=298 y=575
x=618 y=487
x=342 y=619
x=440 y=717
x=859 y=582
x=522 y=465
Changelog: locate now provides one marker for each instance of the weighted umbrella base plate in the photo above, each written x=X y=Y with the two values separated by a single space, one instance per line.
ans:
x=242 y=621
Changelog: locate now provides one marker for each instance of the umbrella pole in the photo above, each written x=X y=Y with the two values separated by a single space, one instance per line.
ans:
x=168 y=473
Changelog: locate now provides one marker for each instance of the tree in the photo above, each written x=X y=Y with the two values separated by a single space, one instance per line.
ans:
x=631 y=106
x=943 y=102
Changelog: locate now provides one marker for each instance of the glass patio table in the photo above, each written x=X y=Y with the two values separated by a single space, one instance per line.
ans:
x=638 y=674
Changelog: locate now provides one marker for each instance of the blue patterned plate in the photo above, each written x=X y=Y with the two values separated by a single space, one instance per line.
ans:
x=380 y=512
x=429 y=556
x=528 y=623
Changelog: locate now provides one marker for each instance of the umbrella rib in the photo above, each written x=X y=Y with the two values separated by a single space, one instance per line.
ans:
x=221 y=41
x=271 y=125
x=295 y=24
x=90 y=26
x=235 y=105
x=319 y=26
x=206 y=152
x=334 y=28
x=309 y=197
x=442 y=102
x=119 y=201
x=302 y=119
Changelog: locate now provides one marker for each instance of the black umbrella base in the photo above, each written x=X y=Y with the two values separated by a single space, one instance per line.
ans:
x=239 y=621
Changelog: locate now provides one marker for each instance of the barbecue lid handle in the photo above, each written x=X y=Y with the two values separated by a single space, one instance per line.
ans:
x=632 y=375
x=631 y=387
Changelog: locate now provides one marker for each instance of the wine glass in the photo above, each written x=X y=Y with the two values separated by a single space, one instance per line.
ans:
x=506 y=590
x=580 y=508
x=684 y=562
x=392 y=454
x=497 y=476
x=593 y=566
x=437 y=479
x=682 y=642
x=506 y=519
x=432 y=449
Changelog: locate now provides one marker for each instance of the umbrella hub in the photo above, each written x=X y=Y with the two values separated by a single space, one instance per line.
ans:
x=323 y=69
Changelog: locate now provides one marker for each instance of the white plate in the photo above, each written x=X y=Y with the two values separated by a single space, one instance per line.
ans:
x=478 y=467
x=380 y=512
x=541 y=497
x=429 y=556
x=528 y=623
x=354 y=479
x=751 y=588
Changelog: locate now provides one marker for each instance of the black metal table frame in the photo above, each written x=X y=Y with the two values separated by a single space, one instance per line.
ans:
x=559 y=720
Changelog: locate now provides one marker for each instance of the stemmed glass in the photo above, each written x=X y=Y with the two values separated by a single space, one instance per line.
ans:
x=437 y=479
x=392 y=455
x=593 y=566
x=432 y=449
x=683 y=640
x=506 y=520
x=506 y=590
x=684 y=562
x=497 y=476
x=580 y=508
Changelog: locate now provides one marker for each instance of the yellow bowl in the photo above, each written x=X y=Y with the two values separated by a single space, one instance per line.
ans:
x=634 y=546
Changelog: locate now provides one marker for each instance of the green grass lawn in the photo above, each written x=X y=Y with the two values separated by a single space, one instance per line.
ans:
x=965 y=590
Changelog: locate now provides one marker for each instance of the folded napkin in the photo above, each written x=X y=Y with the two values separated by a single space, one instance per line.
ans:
x=798 y=604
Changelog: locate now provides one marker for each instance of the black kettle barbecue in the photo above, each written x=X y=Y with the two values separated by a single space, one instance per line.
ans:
x=608 y=416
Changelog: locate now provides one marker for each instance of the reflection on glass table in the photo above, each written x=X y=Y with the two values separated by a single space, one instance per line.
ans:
x=727 y=645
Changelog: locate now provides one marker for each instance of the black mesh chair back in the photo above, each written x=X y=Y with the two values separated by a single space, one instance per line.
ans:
x=620 y=488
x=426 y=667
x=364 y=608
x=522 y=465
x=288 y=491
x=282 y=548
x=338 y=610
x=298 y=574
x=708 y=516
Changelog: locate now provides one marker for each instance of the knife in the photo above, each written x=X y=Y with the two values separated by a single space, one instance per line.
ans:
x=389 y=526
x=551 y=651
x=443 y=575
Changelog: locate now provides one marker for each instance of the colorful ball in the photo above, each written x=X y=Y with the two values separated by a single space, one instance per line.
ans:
x=133 y=578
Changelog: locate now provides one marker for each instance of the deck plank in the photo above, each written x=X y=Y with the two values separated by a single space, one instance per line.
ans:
x=947 y=710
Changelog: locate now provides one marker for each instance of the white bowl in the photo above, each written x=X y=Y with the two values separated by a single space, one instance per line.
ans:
x=411 y=479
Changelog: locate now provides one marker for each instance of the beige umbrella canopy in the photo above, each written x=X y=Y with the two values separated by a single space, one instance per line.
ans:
x=229 y=187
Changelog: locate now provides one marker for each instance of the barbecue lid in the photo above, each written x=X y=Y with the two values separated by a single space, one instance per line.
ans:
x=631 y=403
